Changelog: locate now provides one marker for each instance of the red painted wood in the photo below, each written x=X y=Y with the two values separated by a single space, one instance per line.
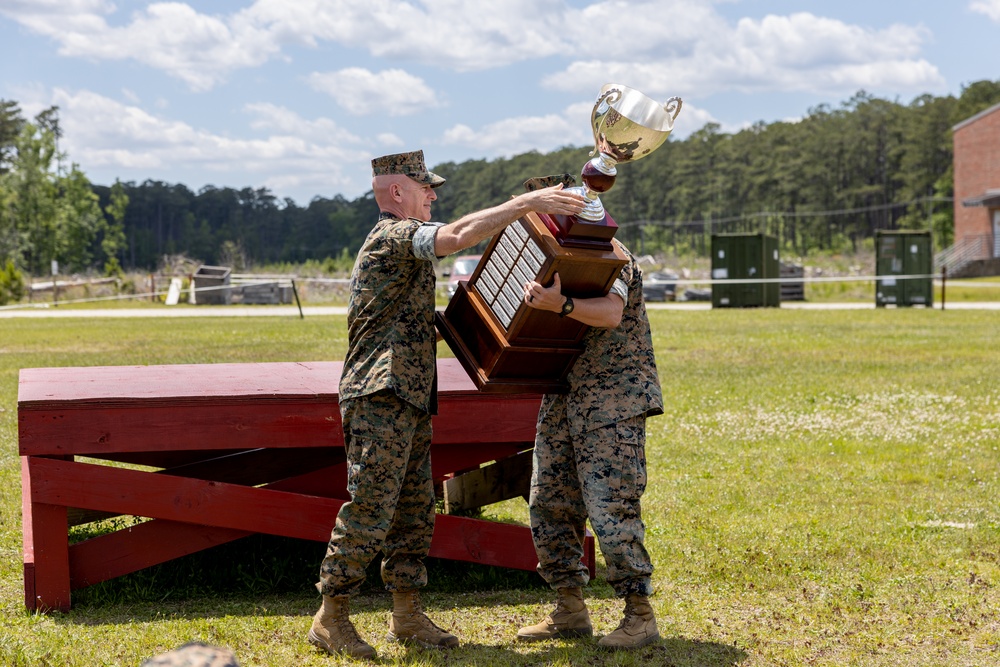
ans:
x=486 y=542
x=27 y=537
x=27 y=517
x=178 y=383
x=196 y=383
x=217 y=428
x=207 y=503
x=31 y=598
x=103 y=410
x=455 y=538
x=128 y=550
x=50 y=542
x=105 y=430
x=477 y=418
x=152 y=542
x=589 y=554
x=46 y=550
x=131 y=549
x=329 y=482
x=448 y=459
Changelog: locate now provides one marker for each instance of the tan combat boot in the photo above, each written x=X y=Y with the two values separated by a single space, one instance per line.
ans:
x=409 y=623
x=333 y=631
x=638 y=628
x=570 y=618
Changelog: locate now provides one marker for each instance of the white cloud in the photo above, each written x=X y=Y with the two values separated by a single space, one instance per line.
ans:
x=691 y=118
x=989 y=7
x=452 y=34
x=512 y=136
x=130 y=95
x=169 y=36
x=202 y=49
x=292 y=151
x=800 y=52
x=285 y=122
x=69 y=14
x=665 y=47
x=392 y=92
x=389 y=140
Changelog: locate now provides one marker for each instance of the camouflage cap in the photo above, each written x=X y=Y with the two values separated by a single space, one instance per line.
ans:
x=408 y=164
x=539 y=182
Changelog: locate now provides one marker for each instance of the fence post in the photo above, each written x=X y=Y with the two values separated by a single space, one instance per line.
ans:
x=944 y=280
x=297 y=302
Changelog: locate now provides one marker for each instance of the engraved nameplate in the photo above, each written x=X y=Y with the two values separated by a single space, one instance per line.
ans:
x=515 y=260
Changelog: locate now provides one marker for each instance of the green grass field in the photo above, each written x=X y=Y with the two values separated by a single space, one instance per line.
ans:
x=823 y=490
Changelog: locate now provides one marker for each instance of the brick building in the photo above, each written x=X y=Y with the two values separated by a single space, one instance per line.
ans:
x=977 y=191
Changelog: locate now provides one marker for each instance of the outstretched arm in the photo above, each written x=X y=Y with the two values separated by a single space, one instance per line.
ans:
x=470 y=229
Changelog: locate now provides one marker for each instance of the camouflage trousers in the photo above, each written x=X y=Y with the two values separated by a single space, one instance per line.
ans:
x=392 y=497
x=600 y=474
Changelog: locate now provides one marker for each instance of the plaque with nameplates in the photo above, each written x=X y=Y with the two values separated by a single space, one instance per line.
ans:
x=505 y=345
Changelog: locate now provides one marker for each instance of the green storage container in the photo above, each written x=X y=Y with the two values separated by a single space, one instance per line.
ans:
x=749 y=257
x=903 y=264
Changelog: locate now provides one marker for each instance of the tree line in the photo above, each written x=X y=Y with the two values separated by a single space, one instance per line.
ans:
x=50 y=214
x=824 y=182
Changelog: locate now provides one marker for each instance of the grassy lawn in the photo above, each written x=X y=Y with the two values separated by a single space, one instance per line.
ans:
x=822 y=491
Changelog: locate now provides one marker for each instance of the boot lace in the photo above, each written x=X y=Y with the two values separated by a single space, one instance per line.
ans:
x=628 y=615
x=346 y=631
x=424 y=620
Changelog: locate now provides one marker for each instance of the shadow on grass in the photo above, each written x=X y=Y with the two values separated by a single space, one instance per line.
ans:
x=263 y=565
x=270 y=576
x=668 y=652
x=681 y=652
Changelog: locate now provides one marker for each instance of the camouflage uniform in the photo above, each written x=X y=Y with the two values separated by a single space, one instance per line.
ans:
x=387 y=397
x=589 y=458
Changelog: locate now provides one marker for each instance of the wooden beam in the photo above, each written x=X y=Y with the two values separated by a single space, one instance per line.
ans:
x=493 y=483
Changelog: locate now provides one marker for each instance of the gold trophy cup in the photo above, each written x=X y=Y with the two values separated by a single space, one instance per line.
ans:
x=627 y=126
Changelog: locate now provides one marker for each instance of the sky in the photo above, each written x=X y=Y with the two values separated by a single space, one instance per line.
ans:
x=299 y=96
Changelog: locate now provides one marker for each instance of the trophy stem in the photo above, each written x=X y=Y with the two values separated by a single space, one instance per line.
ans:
x=594 y=209
x=598 y=176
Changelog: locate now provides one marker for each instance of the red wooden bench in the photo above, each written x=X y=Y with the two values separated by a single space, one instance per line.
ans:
x=216 y=452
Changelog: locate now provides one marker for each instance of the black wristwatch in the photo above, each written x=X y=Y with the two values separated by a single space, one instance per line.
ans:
x=567 y=307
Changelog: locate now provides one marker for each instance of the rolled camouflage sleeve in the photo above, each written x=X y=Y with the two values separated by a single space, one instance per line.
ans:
x=423 y=241
x=621 y=289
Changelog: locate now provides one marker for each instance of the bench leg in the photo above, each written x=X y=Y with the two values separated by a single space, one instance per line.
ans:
x=46 y=550
x=590 y=554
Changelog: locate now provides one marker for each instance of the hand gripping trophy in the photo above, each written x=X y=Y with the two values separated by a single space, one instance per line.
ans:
x=627 y=126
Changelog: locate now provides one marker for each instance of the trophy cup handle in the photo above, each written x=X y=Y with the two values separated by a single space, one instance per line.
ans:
x=607 y=97
x=672 y=107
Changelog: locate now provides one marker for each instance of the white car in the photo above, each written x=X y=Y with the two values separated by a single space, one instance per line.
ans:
x=462 y=269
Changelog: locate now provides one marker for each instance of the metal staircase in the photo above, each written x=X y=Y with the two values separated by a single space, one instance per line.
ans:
x=961 y=254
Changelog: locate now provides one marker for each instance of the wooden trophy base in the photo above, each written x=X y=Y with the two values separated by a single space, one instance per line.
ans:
x=574 y=232
x=506 y=346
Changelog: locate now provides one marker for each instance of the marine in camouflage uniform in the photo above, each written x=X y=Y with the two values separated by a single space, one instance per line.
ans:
x=387 y=397
x=589 y=461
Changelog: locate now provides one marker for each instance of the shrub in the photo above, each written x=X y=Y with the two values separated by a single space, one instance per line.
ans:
x=12 y=285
